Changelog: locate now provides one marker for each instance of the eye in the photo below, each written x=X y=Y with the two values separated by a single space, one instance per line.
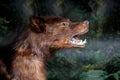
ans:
x=64 y=24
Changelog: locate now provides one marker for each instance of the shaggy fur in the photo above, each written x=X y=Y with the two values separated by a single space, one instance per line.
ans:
x=43 y=36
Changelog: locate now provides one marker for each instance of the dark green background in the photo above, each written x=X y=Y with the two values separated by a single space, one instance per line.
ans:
x=100 y=60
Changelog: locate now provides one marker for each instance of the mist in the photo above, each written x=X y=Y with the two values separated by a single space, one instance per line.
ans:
x=95 y=50
x=103 y=38
x=97 y=13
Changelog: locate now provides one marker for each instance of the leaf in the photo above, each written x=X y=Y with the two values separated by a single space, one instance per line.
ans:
x=93 y=75
x=116 y=76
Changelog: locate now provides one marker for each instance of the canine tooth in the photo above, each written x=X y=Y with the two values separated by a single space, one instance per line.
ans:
x=73 y=42
x=85 y=41
x=80 y=41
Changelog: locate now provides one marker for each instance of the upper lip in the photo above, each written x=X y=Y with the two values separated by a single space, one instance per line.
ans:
x=81 y=33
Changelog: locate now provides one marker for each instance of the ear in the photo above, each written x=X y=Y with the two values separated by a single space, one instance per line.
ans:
x=37 y=23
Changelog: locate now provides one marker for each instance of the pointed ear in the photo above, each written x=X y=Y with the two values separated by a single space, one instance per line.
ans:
x=37 y=23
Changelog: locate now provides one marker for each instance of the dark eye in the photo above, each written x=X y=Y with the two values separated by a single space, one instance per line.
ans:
x=64 y=24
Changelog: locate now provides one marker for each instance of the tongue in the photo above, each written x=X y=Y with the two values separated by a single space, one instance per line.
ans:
x=75 y=39
x=76 y=36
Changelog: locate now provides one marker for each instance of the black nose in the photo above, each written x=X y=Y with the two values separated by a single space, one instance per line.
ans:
x=86 y=22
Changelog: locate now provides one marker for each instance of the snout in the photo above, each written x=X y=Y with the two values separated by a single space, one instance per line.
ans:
x=81 y=27
x=86 y=26
x=86 y=22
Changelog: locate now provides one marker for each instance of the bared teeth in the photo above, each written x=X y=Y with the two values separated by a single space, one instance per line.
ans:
x=78 y=42
x=74 y=40
x=85 y=41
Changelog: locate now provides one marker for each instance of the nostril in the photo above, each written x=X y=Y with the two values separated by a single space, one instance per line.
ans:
x=86 y=22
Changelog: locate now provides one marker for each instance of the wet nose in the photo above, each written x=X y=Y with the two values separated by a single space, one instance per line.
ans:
x=86 y=22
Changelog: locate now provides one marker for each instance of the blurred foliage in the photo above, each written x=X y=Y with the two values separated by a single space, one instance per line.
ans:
x=66 y=68
x=3 y=26
x=93 y=75
x=94 y=64
x=98 y=61
x=97 y=17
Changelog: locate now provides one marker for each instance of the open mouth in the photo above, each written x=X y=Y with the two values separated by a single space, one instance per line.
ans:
x=75 y=41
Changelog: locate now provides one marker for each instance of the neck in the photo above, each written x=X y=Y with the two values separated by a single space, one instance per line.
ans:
x=31 y=53
x=28 y=66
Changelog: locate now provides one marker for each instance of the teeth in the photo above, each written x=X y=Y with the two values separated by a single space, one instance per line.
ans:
x=74 y=42
x=79 y=42
x=85 y=41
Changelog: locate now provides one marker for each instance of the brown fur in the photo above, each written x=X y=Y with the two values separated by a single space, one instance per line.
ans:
x=42 y=37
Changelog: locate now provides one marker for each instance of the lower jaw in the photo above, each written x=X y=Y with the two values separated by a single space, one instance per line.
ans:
x=77 y=46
